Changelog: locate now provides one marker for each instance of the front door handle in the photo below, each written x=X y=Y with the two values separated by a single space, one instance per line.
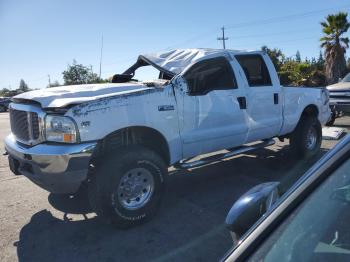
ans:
x=275 y=98
x=242 y=102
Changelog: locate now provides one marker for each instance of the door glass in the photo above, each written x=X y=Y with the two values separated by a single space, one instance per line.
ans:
x=208 y=75
x=255 y=70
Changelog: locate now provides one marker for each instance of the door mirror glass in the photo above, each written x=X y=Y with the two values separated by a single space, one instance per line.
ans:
x=250 y=207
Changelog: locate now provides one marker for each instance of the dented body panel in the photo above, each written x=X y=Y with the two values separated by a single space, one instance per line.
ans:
x=190 y=124
x=154 y=108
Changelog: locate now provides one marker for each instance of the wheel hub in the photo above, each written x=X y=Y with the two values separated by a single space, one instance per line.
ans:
x=311 y=138
x=135 y=188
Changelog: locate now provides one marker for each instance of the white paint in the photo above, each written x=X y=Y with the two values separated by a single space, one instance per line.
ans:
x=197 y=124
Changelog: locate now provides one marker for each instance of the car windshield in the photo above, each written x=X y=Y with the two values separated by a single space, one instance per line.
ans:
x=318 y=230
x=346 y=78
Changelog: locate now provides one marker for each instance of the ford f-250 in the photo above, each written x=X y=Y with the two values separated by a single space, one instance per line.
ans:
x=120 y=138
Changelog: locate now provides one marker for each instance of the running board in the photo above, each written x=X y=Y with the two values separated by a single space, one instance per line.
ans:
x=236 y=151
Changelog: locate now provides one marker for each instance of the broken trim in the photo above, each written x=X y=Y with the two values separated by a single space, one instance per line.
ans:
x=143 y=61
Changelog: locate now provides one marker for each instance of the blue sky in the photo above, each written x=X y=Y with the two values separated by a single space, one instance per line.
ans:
x=42 y=37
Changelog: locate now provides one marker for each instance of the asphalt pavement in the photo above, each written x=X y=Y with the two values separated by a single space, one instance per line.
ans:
x=38 y=226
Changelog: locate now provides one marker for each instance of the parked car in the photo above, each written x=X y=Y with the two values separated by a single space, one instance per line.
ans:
x=120 y=138
x=4 y=103
x=310 y=222
x=339 y=98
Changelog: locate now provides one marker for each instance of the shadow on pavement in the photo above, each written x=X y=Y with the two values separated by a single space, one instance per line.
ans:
x=189 y=225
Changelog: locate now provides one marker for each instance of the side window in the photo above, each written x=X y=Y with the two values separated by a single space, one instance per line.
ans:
x=255 y=70
x=208 y=75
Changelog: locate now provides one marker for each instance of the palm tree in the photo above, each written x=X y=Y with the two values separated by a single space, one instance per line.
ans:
x=335 y=45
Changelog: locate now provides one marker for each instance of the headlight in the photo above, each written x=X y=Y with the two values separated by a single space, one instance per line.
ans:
x=60 y=129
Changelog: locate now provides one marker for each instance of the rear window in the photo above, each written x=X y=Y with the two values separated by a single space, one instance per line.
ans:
x=255 y=70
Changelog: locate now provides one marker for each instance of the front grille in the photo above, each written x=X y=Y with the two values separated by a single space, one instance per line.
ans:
x=339 y=97
x=35 y=125
x=24 y=125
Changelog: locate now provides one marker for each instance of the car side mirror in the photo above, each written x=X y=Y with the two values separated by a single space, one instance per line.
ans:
x=121 y=78
x=250 y=207
x=340 y=79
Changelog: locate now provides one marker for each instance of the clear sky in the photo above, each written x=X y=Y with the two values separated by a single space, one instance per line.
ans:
x=41 y=37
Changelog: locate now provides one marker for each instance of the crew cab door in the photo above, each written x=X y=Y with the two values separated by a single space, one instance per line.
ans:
x=264 y=101
x=211 y=117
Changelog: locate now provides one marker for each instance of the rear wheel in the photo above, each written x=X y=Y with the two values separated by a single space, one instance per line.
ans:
x=127 y=188
x=3 y=108
x=306 y=139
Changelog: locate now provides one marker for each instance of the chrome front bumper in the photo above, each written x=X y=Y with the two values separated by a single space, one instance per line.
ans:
x=57 y=168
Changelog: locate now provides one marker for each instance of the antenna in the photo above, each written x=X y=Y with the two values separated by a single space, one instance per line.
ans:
x=101 y=56
x=49 y=80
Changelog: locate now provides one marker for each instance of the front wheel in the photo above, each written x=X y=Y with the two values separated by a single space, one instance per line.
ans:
x=306 y=139
x=332 y=118
x=127 y=187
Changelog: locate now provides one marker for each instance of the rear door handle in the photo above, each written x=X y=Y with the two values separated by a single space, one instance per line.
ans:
x=242 y=102
x=275 y=98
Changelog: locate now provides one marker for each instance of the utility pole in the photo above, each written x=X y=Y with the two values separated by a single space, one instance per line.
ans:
x=101 y=56
x=223 y=38
x=49 y=80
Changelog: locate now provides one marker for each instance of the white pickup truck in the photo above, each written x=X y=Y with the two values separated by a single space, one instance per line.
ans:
x=120 y=138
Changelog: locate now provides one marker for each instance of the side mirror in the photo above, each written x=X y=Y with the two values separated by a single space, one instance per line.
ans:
x=340 y=79
x=250 y=207
x=121 y=78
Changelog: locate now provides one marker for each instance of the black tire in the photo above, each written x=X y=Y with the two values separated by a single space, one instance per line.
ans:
x=3 y=108
x=106 y=183
x=332 y=119
x=299 y=139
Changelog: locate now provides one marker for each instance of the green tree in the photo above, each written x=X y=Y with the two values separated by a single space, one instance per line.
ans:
x=320 y=61
x=4 y=92
x=77 y=74
x=54 y=84
x=23 y=87
x=298 y=57
x=276 y=56
x=335 y=45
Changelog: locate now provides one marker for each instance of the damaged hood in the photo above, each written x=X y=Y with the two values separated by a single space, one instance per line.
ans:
x=177 y=60
x=66 y=95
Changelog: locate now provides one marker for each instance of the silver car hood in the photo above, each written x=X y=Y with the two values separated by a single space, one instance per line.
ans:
x=66 y=95
x=339 y=86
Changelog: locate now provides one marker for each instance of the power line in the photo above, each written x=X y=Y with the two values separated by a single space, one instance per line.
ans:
x=223 y=38
x=283 y=18
x=257 y=22
x=278 y=33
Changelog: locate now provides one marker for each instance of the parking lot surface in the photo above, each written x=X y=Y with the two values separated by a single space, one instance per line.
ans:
x=38 y=226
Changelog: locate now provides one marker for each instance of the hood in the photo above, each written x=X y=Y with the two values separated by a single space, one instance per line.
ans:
x=66 y=95
x=175 y=61
x=339 y=86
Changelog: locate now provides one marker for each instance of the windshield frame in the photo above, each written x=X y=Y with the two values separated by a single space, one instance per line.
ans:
x=290 y=201
x=143 y=61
